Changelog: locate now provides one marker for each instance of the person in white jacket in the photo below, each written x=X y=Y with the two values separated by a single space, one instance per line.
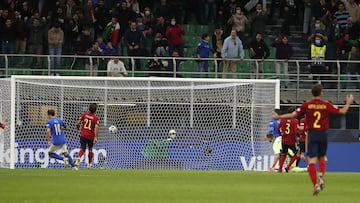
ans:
x=116 y=68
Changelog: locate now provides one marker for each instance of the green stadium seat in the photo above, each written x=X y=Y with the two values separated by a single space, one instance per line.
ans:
x=189 y=29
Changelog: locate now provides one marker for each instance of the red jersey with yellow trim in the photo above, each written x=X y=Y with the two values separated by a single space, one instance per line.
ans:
x=317 y=113
x=88 y=122
x=288 y=129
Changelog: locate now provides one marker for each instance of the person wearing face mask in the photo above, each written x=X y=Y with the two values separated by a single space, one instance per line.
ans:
x=318 y=28
x=174 y=34
x=238 y=22
x=318 y=55
x=148 y=18
x=160 y=45
x=258 y=19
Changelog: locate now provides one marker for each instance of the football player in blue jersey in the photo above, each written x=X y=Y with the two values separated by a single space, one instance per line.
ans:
x=56 y=139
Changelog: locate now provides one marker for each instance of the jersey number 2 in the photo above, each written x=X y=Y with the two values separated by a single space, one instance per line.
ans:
x=317 y=116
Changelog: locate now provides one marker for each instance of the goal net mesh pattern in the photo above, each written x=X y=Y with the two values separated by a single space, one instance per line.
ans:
x=220 y=125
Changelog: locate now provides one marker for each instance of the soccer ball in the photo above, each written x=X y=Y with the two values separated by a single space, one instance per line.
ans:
x=172 y=134
x=112 y=129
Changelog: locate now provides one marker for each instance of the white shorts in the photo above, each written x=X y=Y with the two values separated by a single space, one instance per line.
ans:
x=60 y=148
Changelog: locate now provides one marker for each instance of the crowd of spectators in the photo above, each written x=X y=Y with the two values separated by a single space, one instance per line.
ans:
x=155 y=28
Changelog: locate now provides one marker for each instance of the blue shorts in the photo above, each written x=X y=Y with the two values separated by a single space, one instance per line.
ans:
x=317 y=143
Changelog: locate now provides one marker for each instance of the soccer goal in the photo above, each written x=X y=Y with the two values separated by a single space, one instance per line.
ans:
x=219 y=124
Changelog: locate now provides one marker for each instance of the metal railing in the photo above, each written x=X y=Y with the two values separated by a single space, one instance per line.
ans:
x=298 y=81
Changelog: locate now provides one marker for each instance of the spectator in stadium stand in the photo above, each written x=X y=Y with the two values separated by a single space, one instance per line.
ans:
x=148 y=18
x=88 y=18
x=318 y=66
x=55 y=42
x=210 y=8
x=36 y=40
x=203 y=52
x=163 y=10
x=318 y=28
x=231 y=50
x=93 y=64
x=353 y=9
x=217 y=40
x=72 y=33
x=8 y=37
x=238 y=22
x=134 y=5
x=101 y=16
x=220 y=17
x=341 y=15
x=112 y=32
x=329 y=23
x=174 y=33
x=134 y=40
x=352 y=69
x=258 y=19
x=160 y=46
x=259 y=51
x=320 y=9
x=353 y=28
x=21 y=33
x=82 y=44
x=308 y=10
x=160 y=26
x=283 y=54
x=124 y=15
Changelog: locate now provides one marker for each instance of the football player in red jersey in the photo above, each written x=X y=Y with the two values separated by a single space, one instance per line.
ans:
x=317 y=113
x=288 y=129
x=89 y=133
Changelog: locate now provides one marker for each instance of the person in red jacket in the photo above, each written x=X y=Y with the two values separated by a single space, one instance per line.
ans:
x=174 y=33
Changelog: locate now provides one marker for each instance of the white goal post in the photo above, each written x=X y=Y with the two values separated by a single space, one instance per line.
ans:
x=220 y=124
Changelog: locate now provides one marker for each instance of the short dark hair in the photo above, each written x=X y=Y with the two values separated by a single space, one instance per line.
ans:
x=203 y=36
x=51 y=112
x=93 y=107
x=316 y=90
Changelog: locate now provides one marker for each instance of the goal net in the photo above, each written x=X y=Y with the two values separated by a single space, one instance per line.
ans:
x=220 y=124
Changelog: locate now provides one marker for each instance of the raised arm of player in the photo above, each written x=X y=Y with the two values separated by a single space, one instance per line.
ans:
x=284 y=116
x=349 y=100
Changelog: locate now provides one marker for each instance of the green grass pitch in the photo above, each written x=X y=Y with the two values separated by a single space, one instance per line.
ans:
x=157 y=186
